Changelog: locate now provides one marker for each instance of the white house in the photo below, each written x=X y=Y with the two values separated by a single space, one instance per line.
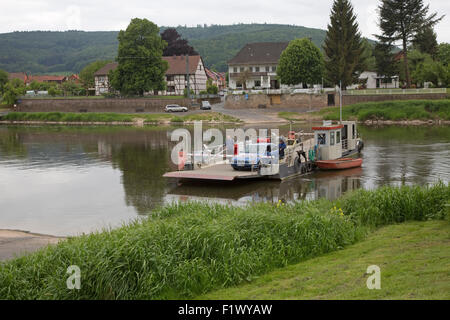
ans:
x=374 y=81
x=259 y=62
x=176 y=75
x=101 y=78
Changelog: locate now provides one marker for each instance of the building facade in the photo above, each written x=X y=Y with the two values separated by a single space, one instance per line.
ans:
x=371 y=80
x=176 y=76
x=102 y=84
x=255 y=66
x=217 y=78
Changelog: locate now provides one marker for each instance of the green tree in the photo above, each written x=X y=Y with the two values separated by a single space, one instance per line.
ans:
x=243 y=77
x=368 y=60
x=141 y=67
x=403 y=20
x=211 y=88
x=343 y=45
x=11 y=93
x=384 y=58
x=444 y=53
x=425 y=41
x=301 y=62
x=87 y=77
x=3 y=79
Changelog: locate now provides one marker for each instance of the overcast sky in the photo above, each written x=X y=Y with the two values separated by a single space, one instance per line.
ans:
x=106 y=15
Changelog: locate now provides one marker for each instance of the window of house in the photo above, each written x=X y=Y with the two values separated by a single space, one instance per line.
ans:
x=235 y=69
x=338 y=137
x=267 y=68
x=238 y=85
x=169 y=78
x=250 y=69
x=256 y=69
x=185 y=77
x=242 y=69
x=257 y=83
x=332 y=138
x=274 y=68
x=171 y=89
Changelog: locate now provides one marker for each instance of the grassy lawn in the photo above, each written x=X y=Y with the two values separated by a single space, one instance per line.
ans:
x=186 y=250
x=116 y=117
x=414 y=259
x=386 y=110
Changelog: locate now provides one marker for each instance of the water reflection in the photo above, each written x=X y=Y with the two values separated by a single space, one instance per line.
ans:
x=68 y=180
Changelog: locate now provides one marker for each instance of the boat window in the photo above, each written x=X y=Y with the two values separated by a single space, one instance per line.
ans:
x=332 y=138
x=338 y=137
x=321 y=138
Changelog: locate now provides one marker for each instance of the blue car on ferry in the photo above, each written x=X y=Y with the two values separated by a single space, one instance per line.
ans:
x=253 y=155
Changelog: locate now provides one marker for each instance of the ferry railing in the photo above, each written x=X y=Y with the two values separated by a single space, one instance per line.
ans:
x=345 y=144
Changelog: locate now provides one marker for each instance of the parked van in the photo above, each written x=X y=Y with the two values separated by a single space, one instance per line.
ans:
x=205 y=105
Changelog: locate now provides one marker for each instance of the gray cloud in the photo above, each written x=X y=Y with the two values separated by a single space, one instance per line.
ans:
x=27 y=15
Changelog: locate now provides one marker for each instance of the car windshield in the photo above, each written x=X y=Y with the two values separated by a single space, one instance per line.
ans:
x=259 y=148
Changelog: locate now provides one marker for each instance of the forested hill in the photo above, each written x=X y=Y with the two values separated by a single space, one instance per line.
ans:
x=68 y=52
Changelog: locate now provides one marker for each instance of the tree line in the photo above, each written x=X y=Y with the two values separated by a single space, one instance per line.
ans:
x=346 y=54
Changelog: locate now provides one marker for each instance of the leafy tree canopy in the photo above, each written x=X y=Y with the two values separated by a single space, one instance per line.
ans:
x=426 y=41
x=444 y=53
x=301 y=62
x=175 y=44
x=384 y=58
x=141 y=67
x=3 y=79
x=404 y=20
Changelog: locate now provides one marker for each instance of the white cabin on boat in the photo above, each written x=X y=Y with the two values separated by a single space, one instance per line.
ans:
x=335 y=140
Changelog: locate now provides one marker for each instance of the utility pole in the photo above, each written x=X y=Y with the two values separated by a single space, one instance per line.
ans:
x=187 y=77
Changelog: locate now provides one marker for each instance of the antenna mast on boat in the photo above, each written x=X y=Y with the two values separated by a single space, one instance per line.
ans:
x=340 y=101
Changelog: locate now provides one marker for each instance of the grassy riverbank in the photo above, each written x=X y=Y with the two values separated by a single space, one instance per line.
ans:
x=90 y=117
x=399 y=110
x=414 y=259
x=183 y=251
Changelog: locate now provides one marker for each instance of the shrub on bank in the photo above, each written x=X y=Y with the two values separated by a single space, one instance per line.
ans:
x=184 y=250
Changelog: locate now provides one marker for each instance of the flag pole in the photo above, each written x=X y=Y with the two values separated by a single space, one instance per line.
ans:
x=340 y=101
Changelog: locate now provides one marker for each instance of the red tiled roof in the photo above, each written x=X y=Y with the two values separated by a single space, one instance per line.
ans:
x=17 y=75
x=46 y=78
x=106 y=69
x=177 y=64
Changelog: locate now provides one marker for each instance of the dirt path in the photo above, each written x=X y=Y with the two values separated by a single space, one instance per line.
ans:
x=16 y=243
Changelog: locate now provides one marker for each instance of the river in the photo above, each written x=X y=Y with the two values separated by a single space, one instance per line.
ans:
x=71 y=180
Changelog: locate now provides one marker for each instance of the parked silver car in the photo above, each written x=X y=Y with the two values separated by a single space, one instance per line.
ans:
x=175 y=108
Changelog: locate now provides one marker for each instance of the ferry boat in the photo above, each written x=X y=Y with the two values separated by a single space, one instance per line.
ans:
x=302 y=154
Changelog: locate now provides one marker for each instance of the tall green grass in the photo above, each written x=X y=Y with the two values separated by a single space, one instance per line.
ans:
x=113 y=117
x=393 y=110
x=185 y=250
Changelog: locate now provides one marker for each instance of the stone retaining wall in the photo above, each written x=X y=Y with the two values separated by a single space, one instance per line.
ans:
x=98 y=105
x=305 y=102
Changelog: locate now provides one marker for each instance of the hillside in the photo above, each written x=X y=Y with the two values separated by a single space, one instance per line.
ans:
x=67 y=52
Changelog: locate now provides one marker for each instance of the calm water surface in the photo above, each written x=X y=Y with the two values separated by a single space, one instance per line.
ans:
x=66 y=181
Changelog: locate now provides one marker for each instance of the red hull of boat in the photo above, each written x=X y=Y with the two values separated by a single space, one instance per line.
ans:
x=343 y=163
